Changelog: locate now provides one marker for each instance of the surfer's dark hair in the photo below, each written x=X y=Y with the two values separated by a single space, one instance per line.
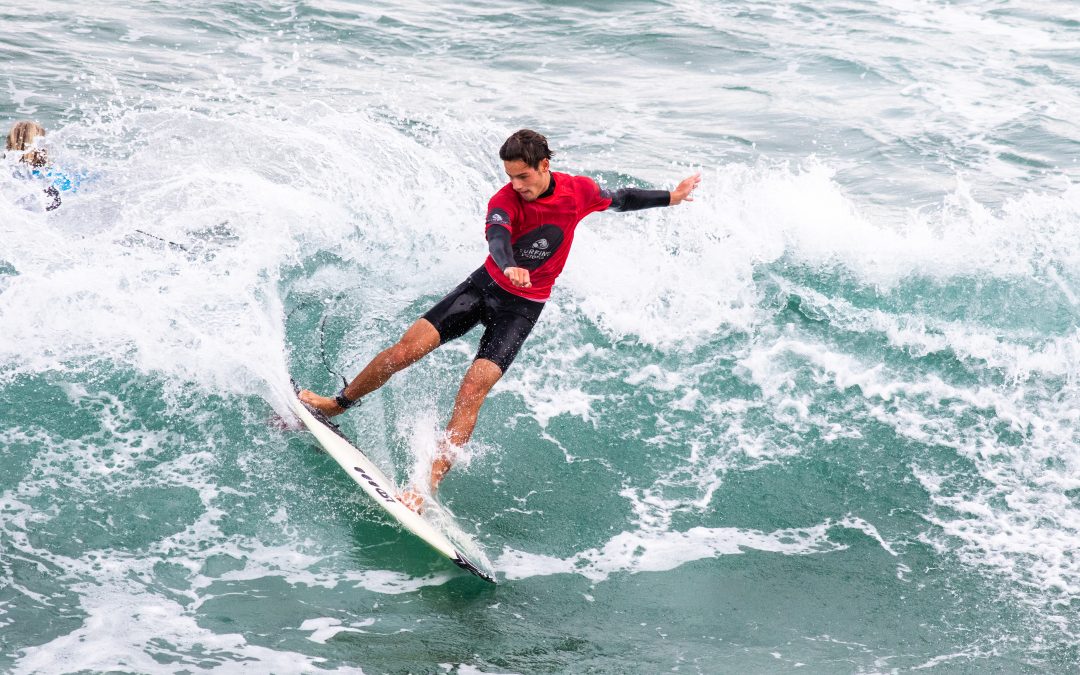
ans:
x=526 y=145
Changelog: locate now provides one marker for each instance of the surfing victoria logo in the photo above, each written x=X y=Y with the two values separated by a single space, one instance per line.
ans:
x=538 y=245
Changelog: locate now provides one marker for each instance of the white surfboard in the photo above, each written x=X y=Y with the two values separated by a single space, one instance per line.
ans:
x=378 y=486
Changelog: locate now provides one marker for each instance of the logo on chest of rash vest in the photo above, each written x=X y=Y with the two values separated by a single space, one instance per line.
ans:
x=537 y=246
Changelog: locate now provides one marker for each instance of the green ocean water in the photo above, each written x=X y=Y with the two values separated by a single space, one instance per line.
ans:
x=824 y=419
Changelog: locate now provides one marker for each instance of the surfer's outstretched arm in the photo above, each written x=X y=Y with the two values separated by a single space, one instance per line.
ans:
x=418 y=341
x=635 y=199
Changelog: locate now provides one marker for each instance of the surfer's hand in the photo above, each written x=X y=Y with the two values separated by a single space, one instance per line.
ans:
x=323 y=404
x=519 y=276
x=683 y=192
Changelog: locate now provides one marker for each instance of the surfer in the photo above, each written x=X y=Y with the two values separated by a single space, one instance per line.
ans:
x=23 y=138
x=529 y=229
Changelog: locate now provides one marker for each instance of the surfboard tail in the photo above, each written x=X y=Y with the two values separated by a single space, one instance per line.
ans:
x=463 y=562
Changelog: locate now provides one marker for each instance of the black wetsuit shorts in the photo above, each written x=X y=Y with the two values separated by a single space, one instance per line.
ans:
x=508 y=319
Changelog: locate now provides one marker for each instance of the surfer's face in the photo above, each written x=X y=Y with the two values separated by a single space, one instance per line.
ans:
x=528 y=182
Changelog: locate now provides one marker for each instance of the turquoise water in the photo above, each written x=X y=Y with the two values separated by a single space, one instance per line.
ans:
x=823 y=419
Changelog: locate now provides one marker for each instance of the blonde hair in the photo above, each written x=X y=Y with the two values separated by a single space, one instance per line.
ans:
x=22 y=137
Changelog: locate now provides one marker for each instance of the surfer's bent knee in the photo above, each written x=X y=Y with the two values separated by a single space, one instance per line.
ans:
x=486 y=362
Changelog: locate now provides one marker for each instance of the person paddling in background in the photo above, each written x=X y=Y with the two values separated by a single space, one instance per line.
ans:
x=530 y=228
x=28 y=138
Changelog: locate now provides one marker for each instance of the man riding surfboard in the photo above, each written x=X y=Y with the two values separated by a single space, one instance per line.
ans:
x=530 y=228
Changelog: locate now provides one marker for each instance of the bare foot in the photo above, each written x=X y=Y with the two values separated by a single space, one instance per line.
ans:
x=323 y=404
x=412 y=499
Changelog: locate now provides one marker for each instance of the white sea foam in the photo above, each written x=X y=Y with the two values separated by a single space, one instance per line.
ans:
x=1021 y=521
x=217 y=167
x=657 y=550
x=126 y=628
x=693 y=276
x=904 y=100
x=129 y=623
x=1017 y=354
x=155 y=312
x=159 y=263
x=167 y=264
x=322 y=629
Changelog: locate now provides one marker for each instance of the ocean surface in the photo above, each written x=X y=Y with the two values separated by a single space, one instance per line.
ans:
x=824 y=419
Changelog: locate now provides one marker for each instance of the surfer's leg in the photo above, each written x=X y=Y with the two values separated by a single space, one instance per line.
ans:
x=481 y=377
x=507 y=328
x=418 y=341
x=499 y=346
x=450 y=318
